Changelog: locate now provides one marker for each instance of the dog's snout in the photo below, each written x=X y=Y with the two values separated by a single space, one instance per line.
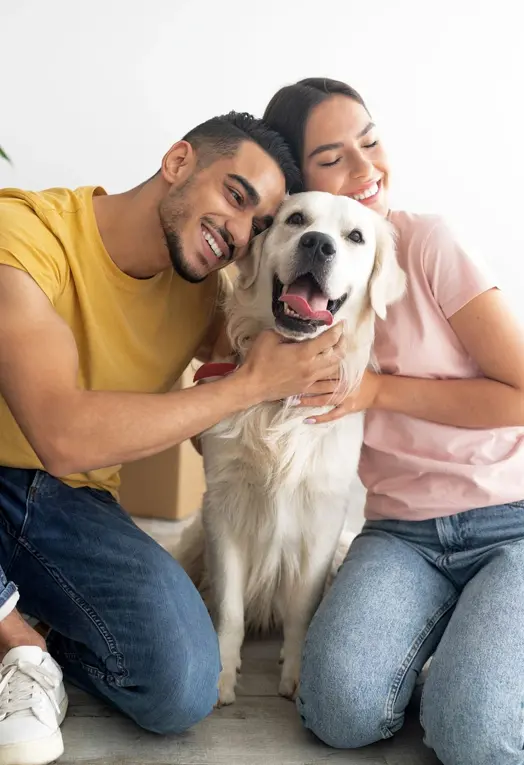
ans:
x=319 y=245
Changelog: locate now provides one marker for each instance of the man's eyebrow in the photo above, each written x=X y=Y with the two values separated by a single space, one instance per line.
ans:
x=252 y=193
x=339 y=144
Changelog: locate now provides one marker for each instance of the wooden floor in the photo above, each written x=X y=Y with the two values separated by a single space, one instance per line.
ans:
x=259 y=729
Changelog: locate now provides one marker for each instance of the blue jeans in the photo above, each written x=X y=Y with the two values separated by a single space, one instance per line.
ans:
x=127 y=623
x=451 y=588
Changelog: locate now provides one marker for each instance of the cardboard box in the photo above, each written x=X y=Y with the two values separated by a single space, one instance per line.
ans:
x=168 y=485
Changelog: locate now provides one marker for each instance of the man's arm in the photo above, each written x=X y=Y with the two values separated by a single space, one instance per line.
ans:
x=73 y=430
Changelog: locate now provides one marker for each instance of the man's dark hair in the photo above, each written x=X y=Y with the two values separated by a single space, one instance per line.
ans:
x=289 y=109
x=221 y=137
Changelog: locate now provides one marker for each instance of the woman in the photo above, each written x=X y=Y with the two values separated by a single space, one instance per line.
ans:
x=439 y=566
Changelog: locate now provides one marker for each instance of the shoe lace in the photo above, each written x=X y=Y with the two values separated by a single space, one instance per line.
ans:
x=22 y=685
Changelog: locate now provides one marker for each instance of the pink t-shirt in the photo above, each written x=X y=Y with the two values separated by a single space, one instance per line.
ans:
x=413 y=469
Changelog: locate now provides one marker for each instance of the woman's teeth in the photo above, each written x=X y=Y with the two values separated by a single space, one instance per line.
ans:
x=212 y=243
x=366 y=194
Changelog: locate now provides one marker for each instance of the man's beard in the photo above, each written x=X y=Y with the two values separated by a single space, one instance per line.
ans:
x=174 y=211
x=178 y=260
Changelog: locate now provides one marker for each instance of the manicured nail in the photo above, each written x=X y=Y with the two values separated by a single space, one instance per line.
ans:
x=310 y=421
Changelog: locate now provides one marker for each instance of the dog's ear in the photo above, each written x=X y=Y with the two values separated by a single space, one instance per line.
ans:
x=249 y=264
x=388 y=281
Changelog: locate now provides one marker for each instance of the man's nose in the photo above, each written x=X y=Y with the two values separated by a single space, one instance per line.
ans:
x=240 y=229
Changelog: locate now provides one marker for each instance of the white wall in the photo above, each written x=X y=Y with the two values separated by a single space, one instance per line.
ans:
x=96 y=91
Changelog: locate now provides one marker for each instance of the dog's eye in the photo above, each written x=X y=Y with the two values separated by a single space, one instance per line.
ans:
x=356 y=236
x=296 y=219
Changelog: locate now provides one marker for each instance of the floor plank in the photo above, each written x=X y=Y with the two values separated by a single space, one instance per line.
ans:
x=259 y=729
x=255 y=731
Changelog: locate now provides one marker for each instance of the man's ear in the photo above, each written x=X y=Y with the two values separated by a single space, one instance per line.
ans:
x=249 y=264
x=176 y=163
x=388 y=280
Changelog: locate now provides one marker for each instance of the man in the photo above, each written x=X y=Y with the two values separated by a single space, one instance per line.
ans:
x=104 y=299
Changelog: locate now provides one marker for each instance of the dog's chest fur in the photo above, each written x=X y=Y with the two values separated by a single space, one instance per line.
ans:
x=273 y=484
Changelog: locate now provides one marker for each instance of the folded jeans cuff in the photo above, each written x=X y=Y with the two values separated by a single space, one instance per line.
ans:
x=8 y=600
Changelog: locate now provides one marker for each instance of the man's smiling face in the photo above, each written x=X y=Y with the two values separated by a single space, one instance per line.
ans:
x=212 y=212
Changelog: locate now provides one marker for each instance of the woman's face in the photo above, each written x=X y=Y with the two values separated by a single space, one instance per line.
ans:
x=342 y=153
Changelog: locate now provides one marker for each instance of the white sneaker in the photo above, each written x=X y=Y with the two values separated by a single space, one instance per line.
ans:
x=33 y=704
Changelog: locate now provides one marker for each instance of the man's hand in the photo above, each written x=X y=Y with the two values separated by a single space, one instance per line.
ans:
x=364 y=397
x=275 y=368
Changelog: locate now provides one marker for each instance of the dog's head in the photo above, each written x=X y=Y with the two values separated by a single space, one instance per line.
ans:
x=323 y=260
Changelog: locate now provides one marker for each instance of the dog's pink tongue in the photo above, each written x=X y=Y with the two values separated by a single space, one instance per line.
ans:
x=309 y=303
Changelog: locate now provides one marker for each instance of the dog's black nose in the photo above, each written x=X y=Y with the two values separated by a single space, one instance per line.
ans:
x=318 y=245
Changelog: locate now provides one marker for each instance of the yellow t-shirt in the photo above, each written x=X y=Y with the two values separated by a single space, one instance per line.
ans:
x=132 y=334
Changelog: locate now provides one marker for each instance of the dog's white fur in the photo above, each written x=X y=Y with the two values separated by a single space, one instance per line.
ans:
x=277 y=488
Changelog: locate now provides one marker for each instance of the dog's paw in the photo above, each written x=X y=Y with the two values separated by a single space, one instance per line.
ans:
x=226 y=688
x=288 y=687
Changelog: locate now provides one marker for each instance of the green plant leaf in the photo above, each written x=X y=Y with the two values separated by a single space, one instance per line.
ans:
x=3 y=155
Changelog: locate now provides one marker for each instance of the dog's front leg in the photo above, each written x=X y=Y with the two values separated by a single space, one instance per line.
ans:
x=302 y=603
x=227 y=572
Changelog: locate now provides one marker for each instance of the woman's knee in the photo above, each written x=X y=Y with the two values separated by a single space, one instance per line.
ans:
x=341 y=702
x=470 y=729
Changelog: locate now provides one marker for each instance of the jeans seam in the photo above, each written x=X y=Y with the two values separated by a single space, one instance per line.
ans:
x=77 y=599
x=11 y=532
x=410 y=656
x=74 y=657
x=17 y=535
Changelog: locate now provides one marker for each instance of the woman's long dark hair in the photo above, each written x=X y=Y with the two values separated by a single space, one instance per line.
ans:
x=289 y=110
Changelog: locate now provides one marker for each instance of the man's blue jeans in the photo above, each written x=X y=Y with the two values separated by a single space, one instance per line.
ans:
x=127 y=623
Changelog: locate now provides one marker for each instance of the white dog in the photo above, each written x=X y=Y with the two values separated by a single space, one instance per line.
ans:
x=277 y=488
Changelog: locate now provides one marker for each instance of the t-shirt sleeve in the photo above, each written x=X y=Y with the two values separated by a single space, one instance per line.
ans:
x=28 y=245
x=456 y=276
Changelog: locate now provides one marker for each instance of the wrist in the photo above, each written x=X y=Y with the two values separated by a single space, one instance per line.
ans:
x=383 y=396
x=248 y=390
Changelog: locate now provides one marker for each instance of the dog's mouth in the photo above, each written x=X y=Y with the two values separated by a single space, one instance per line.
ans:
x=302 y=306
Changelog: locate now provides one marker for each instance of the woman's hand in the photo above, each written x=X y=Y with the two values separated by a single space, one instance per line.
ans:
x=321 y=394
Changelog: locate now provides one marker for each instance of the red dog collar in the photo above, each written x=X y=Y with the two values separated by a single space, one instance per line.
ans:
x=214 y=371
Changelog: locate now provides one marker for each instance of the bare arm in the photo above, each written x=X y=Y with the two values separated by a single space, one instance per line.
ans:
x=494 y=339
x=73 y=430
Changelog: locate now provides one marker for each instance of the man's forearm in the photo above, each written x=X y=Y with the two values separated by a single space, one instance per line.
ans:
x=98 y=429
x=476 y=403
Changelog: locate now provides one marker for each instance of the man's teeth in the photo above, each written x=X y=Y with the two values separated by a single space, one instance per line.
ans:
x=290 y=312
x=367 y=193
x=212 y=243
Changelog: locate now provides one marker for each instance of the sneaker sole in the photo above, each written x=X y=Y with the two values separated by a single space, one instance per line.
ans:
x=40 y=752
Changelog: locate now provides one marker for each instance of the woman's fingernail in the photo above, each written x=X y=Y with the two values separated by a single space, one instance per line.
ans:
x=295 y=401
x=310 y=421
